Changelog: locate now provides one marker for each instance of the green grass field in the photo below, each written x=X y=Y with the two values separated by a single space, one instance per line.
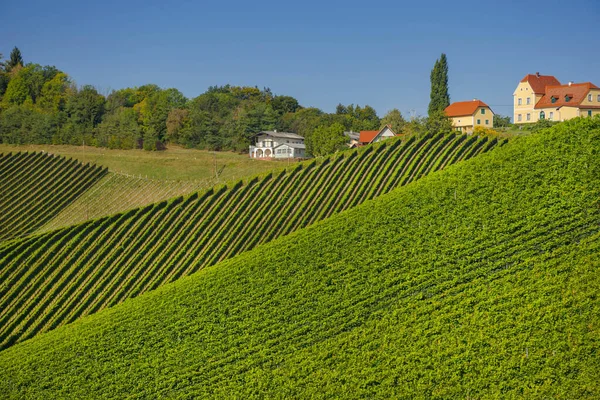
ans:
x=175 y=163
x=479 y=281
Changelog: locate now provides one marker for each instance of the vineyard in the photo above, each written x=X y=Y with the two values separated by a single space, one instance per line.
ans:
x=54 y=278
x=480 y=281
x=117 y=192
x=35 y=187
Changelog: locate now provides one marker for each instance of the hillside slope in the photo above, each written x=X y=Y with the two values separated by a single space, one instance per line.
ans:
x=116 y=193
x=35 y=187
x=480 y=281
x=52 y=279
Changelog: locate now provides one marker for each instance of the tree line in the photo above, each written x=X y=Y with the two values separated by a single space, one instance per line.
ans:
x=43 y=105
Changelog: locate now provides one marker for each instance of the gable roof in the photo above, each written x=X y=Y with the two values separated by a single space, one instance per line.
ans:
x=287 y=135
x=464 y=108
x=367 y=136
x=539 y=82
x=576 y=92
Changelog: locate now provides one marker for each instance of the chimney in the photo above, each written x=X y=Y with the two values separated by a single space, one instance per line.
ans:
x=537 y=74
x=570 y=83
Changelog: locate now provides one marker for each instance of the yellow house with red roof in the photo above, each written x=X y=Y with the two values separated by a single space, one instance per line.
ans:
x=466 y=115
x=543 y=97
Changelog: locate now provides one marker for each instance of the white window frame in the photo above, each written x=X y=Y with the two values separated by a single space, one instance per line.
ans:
x=529 y=101
x=551 y=116
x=519 y=117
x=519 y=101
x=528 y=117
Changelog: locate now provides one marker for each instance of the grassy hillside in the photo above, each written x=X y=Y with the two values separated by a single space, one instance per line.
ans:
x=35 y=187
x=116 y=193
x=52 y=279
x=136 y=178
x=480 y=281
x=173 y=164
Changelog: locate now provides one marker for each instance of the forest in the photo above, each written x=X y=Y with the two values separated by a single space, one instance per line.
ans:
x=44 y=105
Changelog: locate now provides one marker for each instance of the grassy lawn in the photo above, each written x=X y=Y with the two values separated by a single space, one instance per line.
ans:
x=175 y=163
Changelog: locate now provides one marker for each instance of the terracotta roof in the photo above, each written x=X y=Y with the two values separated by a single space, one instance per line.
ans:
x=462 y=108
x=576 y=91
x=367 y=136
x=538 y=82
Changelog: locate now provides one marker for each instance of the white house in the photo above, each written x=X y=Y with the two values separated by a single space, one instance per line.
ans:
x=273 y=144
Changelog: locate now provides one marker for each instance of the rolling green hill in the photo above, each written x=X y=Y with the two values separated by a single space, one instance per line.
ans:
x=35 y=187
x=480 y=281
x=52 y=279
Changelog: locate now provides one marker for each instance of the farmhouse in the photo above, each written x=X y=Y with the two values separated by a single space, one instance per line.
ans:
x=353 y=139
x=540 y=97
x=466 y=115
x=367 y=137
x=273 y=144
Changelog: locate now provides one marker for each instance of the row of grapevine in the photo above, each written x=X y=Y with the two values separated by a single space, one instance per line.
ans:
x=117 y=192
x=35 y=187
x=112 y=259
x=477 y=282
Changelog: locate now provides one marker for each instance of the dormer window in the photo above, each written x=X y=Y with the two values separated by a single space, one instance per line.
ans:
x=568 y=98
x=553 y=99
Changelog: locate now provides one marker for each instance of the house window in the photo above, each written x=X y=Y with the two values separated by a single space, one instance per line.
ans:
x=542 y=115
x=598 y=99
x=519 y=118
x=528 y=100
x=551 y=115
x=589 y=113
x=553 y=99
x=483 y=111
x=528 y=117
x=487 y=121
x=590 y=97
x=478 y=122
x=567 y=98
x=519 y=101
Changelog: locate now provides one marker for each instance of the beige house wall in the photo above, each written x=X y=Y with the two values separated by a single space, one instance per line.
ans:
x=483 y=118
x=524 y=91
x=560 y=113
x=595 y=101
x=466 y=123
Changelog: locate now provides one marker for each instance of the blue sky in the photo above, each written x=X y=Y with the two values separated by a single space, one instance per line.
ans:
x=321 y=52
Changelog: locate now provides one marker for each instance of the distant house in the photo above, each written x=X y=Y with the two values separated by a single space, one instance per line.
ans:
x=367 y=137
x=466 y=115
x=353 y=138
x=273 y=144
x=540 y=97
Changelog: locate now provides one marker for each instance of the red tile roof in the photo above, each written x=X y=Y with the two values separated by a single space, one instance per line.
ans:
x=539 y=82
x=367 y=136
x=576 y=91
x=462 y=108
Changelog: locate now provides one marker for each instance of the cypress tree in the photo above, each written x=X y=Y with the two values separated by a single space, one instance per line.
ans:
x=15 y=59
x=439 y=97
